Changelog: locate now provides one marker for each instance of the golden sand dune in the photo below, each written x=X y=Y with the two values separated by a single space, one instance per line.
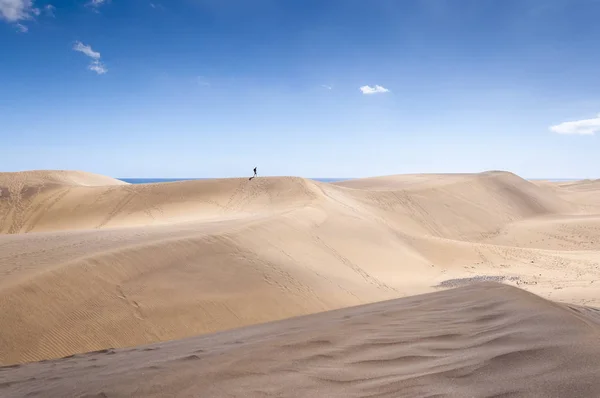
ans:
x=485 y=340
x=580 y=185
x=27 y=196
x=68 y=207
x=461 y=206
x=52 y=178
x=585 y=193
x=87 y=265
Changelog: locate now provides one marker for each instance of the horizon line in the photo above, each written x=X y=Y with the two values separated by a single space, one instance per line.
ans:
x=332 y=178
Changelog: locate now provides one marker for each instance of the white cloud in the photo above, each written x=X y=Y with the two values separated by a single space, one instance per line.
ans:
x=15 y=11
x=96 y=65
x=50 y=10
x=87 y=50
x=326 y=86
x=581 y=127
x=374 y=90
x=97 y=3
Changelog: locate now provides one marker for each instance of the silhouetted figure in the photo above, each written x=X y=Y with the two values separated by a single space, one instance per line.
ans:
x=250 y=179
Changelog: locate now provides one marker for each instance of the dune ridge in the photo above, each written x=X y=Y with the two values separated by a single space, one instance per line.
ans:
x=483 y=340
x=92 y=263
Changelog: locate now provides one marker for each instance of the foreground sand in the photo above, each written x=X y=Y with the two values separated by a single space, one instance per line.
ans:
x=89 y=263
x=487 y=340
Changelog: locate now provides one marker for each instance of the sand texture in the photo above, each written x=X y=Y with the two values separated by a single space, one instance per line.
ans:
x=90 y=263
x=484 y=340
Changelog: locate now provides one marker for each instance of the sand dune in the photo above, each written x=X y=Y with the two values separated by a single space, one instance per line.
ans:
x=585 y=193
x=580 y=185
x=461 y=206
x=88 y=205
x=88 y=262
x=486 y=340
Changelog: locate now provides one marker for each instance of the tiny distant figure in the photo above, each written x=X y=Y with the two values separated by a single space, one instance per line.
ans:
x=253 y=175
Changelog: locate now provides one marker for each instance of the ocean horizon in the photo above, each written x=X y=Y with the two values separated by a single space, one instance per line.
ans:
x=329 y=179
x=156 y=180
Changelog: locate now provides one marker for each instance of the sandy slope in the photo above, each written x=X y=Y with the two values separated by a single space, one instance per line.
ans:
x=88 y=262
x=487 y=340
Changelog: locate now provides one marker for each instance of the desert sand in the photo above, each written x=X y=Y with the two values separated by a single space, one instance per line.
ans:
x=484 y=340
x=89 y=263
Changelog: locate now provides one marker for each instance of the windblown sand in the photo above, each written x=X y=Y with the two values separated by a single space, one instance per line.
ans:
x=485 y=340
x=90 y=263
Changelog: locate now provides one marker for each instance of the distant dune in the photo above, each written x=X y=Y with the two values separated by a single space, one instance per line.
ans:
x=89 y=263
x=485 y=340
x=50 y=178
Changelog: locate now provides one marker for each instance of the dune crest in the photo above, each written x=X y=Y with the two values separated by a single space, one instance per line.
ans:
x=57 y=177
x=89 y=262
x=70 y=206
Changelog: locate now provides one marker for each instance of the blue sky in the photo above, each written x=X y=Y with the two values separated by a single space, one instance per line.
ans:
x=316 y=88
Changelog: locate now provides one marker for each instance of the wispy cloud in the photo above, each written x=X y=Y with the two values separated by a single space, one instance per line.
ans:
x=579 y=127
x=95 y=65
x=374 y=90
x=49 y=9
x=87 y=50
x=15 y=11
x=326 y=86
x=95 y=4
x=19 y=11
x=98 y=67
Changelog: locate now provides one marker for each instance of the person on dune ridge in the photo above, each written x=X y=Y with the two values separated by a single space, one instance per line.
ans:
x=250 y=179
